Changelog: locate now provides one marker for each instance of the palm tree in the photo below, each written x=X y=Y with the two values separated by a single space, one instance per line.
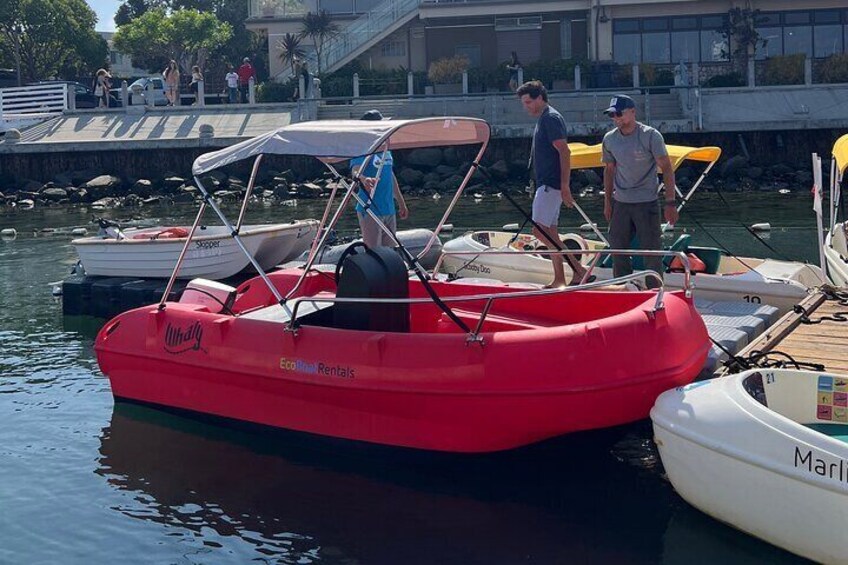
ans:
x=319 y=27
x=290 y=51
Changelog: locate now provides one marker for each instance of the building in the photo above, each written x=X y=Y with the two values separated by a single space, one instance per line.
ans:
x=413 y=33
x=120 y=65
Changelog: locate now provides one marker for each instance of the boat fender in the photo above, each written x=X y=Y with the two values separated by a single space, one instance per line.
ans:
x=170 y=233
x=695 y=264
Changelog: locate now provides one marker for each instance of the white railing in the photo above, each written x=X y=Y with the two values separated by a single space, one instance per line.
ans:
x=370 y=25
x=33 y=102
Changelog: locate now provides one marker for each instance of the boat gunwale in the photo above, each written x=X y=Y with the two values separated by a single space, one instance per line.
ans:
x=244 y=233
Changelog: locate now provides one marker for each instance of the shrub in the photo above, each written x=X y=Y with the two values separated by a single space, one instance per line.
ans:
x=649 y=75
x=835 y=69
x=786 y=69
x=275 y=91
x=724 y=81
x=448 y=69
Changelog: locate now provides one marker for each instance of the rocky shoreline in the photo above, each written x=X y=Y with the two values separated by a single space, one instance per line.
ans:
x=421 y=172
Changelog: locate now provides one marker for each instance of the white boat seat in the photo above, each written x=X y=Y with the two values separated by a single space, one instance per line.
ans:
x=277 y=314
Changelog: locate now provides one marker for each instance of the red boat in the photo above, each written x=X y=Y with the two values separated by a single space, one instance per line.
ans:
x=372 y=354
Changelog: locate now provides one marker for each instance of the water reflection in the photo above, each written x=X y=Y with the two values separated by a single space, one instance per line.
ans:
x=296 y=498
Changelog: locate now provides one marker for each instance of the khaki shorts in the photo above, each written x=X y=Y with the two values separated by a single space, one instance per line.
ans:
x=372 y=234
x=546 y=206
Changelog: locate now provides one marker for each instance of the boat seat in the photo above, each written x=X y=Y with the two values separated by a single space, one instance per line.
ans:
x=307 y=313
x=836 y=431
x=498 y=322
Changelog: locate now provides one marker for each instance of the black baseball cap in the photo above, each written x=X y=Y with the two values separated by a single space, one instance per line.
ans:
x=619 y=103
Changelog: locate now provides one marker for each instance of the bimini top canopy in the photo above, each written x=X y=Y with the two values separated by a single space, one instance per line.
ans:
x=344 y=139
x=590 y=156
x=840 y=153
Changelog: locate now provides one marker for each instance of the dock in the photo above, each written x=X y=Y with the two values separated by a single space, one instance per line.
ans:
x=814 y=334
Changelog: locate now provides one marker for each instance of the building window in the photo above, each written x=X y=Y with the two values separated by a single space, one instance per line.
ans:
x=685 y=46
x=815 y=33
x=393 y=48
x=627 y=48
x=669 y=40
x=565 y=39
x=471 y=52
x=337 y=6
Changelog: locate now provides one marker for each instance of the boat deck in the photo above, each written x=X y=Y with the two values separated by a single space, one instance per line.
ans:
x=816 y=332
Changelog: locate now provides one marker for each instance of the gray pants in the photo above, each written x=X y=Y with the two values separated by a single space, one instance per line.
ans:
x=372 y=234
x=643 y=220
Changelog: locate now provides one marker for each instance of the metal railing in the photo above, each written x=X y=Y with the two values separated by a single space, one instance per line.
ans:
x=374 y=23
x=39 y=101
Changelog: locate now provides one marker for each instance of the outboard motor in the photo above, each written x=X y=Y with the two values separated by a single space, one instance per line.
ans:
x=371 y=273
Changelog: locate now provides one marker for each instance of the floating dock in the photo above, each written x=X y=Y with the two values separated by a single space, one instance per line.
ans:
x=815 y=333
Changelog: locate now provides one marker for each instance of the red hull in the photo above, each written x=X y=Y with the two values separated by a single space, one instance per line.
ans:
x=590 y=360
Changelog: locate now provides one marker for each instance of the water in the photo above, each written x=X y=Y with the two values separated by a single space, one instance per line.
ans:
x=85 y=481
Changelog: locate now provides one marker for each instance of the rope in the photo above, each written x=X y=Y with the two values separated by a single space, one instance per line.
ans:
x=765 y=360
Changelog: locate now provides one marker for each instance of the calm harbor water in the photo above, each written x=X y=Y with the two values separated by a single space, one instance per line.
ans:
x=83 y=480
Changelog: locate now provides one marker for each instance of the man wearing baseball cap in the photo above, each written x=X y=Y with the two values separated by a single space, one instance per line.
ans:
x=245 y=73
x=632 y=152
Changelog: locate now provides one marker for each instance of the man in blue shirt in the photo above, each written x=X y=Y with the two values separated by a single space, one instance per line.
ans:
x=551 y=160
x=381 y=201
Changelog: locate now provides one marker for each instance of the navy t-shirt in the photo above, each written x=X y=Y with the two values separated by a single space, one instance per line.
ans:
x=549 y=128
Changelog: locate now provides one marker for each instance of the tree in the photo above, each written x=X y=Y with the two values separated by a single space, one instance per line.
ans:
x=290 y=50
x=46 y=37
x=187 y=36
x=741 y=37
x=319 y=27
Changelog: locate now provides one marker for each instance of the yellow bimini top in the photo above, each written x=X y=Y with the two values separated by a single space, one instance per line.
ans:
x=840 y=153
x=589 y=156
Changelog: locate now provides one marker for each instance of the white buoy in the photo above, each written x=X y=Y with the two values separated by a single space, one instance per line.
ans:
x=447 y=227
x=8 y=233
x=511 y=227
x=764 y=226
x=478 y=195
x=784 y=191
x=79 y=231
x=436 y=196
x=291 y=202
x=588 y=227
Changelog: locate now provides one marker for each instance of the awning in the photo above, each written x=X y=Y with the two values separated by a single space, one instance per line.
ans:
x=345 y=139
x=840 y=153
x=589 y=156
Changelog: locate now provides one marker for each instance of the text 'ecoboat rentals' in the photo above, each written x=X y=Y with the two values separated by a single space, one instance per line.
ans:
x=370 y=353
x=765 y=451
x=513 y=256
x=213 y=253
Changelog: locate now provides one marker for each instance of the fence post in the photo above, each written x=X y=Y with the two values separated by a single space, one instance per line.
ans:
x=125 y=94
x=520 y=74
x=70 y=97
x=752 y=71
x=355 y=85
x=696 y=74
x=201 y=93
x=577 y=78
x=465 y=82
x=251 y=91
x=808 y=71
x=635 y=76
x=301 y=87
x=148 y=95
x=410 y=84
x=648 y=105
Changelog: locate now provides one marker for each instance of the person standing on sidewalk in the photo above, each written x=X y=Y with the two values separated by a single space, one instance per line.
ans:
x=551 y=161
x=245 y=73
x=232 y=79
x=632 y=152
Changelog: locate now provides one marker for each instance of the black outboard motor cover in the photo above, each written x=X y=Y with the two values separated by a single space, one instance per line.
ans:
x=372 y=273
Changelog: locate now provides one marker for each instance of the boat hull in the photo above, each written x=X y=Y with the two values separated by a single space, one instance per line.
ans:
x=749 y=467
x=431 y=390
x=835 y=254
x=212 y=254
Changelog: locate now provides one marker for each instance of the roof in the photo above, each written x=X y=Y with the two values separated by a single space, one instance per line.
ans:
x=345 y=139
x=590 y=156
x=840 y=153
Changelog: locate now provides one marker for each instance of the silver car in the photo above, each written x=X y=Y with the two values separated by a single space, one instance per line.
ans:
x=138 y=90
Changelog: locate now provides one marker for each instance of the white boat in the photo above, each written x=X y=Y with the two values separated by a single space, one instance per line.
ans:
x=725 y=278
x=765 y=451
x=781 y=284
x=212 y=254
x=835 y=245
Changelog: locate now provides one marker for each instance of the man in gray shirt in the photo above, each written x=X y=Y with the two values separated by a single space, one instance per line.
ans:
x=632 y=152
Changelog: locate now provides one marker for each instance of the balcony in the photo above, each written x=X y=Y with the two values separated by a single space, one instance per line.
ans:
x=259 y=9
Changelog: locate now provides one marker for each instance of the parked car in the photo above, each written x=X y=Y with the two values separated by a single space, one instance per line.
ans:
x=84 y=96
x=138 y=90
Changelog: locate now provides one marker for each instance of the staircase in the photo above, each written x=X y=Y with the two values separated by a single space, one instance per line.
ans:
x=364 y=32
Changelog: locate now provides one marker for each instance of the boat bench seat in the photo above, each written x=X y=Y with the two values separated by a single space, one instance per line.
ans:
x=498 y=322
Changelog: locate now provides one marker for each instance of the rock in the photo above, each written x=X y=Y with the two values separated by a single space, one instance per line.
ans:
x=54 y=194
x=753 y=173
x=142 y=187
x=308 y=190
x=432 y=185
x=80 y=177
x=445 y=171
x=78 y=195
x=411 y=177
x=152 y=200
x=432 y=177
x=450 y=184
x=588 y=177
x=102 y=186
x=451 y=157
x=133 y=200
x=105 y=203
x=26 y=203
x=172 y=184
x=429 y=157
x=733 y=167
x=499 y=170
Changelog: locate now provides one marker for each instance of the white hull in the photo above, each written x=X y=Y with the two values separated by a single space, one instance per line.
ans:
x=213 y=254
x=781 y=284
x=758 y=468
x=836 y=255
